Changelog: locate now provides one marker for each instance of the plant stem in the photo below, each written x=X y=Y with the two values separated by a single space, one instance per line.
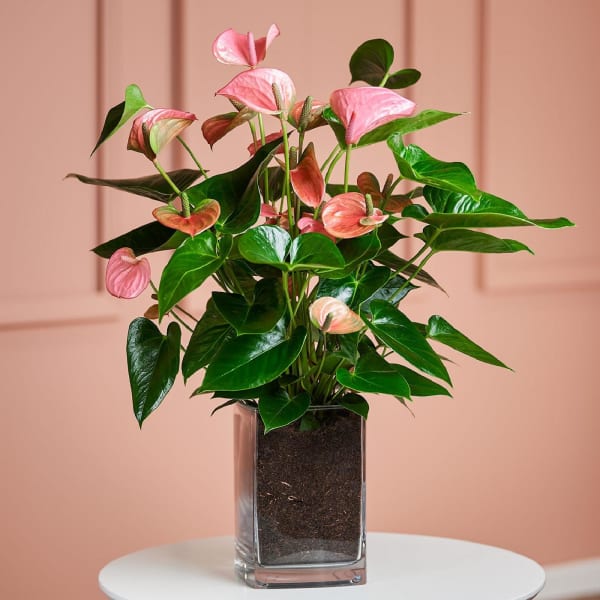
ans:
x=286 y=290
x=330 y=157
x=416 y=272
x=347 y=167
x=189 y=151
x=185 y=203
x=286 y=180
x=261 y=128
x=334 y=162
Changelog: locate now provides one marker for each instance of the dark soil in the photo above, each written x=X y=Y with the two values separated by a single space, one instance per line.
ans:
x=309 y=488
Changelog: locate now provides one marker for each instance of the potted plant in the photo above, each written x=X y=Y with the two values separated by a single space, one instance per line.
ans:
x=305 y=316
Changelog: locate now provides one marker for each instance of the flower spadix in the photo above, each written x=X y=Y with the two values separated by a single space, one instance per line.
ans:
x=362 y=109
x=233 y=48
x=126 y=275
x=333 y=316
x=348 y=216
x=153 y=130
x=254 y=89
x=203 y=218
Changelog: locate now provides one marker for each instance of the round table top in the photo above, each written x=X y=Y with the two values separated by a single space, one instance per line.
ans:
x=407 y=567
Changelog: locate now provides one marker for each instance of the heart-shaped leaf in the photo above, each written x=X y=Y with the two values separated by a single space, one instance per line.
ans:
x=371 y=61
x=277 y=409
x=147 y=238
x=396 y=263
x=195 y=260
x=315 y=252
x=402 y=79
x=266 y=244
x=153 y=364
x=466 y=240
x=356 y=404
x=419 y=385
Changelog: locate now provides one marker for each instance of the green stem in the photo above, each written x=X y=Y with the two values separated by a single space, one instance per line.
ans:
x=185 y=203
x=347 y=168
x=189 y=151
x=286 y=290
x=334 y=162
x=407 y=282
x=330 y=157
x=178 y=318
x=261 y=128
x=286 y=180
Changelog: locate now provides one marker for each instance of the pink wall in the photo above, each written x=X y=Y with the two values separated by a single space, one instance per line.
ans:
x=511 y=460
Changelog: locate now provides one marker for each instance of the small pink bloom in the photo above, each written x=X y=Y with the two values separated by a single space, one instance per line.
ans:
x=333 y=316
x=362 y=109
x=254 y=89
x=315 y=118
x=217 y=127
x=154 y=129
x=126 y=275
x=272 y=217
x=307 y=179
x=201 y=220
x=307 y=224
x=345 y=216
x=254 y=147
x=368 y=184
x=233 y=48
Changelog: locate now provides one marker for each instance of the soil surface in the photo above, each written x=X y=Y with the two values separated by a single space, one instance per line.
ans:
x=309 y=488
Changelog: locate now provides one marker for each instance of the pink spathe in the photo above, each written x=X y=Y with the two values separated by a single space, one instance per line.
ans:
x=202 y=219
x=333 y=316
x=346 y=216
x=511 y=460
x=126 y=275
x=233 y=48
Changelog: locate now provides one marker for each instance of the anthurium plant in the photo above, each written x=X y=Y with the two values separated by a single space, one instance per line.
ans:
x=307 y=284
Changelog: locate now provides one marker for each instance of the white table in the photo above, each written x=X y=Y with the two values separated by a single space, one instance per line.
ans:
x=406 y=567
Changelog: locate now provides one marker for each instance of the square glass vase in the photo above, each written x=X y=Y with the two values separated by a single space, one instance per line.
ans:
x=300 y=499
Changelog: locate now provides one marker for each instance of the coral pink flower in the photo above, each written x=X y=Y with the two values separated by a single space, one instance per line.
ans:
x=306 y=224
x=233 y=48
x=272 y=217
x=126 y=275
x=333 y=316
x=345 y=216
x=254 y=147
x=215 y=128
x=307 y=179
x=254 y=89
x=154 y=129
x=203 y=218
x=362 y=109
x=315 y=118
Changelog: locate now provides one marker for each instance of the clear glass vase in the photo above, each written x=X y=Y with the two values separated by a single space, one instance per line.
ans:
x=300 y=499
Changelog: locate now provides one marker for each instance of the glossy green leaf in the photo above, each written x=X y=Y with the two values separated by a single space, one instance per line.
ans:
x=259 y=316
x=371 y=61
x=456 y=210
x=147 y=238
x=398 y=332
x=420 y=385
x=266 y=244
x=277 y=409
x=402 y=79
x=236 y=191
x=154 y=187
x=153 y=364
x=210 y=333
x=195 y=260
x=440 y=330
x=393 y=290
x=356 y=404
x=315 y=252
x=251 y=360
x=396 y=263
x=415 y=164
x=354 y=288
x=358 y=250
x=118 y=115
x=388 y=235
x=466 y=240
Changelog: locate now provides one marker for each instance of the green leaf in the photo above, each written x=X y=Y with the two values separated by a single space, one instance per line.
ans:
x=415 y=164
x=389 y=290
x=398 y=332
x=388 y=235
x=260 y=316
x=147 y=238
x=456 y=210
x=210 y=333
x=405 y=125
x=195 y=260
x=356 y=404
x=466 y=240
x=440 y=330
x=118 y=115
x=266 y=244
x=277 y=409
x=402 y=79
x=315 y=252
x=151 y=186
x=354 y=288
x=371 y=61
x=153 y=364
x=252 y=360
x=236 y=191
x=396 y=263
x=356 y=251
x=419 y=385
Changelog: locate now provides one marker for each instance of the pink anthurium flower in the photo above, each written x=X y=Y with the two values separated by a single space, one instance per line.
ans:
x=307 y=179
x=203 y=218
x=154 y=129
x=315 y=118
x=217 y=127
x=272 y=217
x=333 y=316
x=368 y=184
x=233 y=48
x=254 y=147
x=362 y=109
x=254 y=89
x=126 y=275
x=346 y=216
x=307 y=224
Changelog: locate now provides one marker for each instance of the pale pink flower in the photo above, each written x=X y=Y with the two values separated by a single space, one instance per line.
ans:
x=333 y=316
x=307 y=179
x=362 y=109
x=126 y=275
x=345 y=216
x=254 y=89
x=154 y=129
x=233 y=48
x=201 y=220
